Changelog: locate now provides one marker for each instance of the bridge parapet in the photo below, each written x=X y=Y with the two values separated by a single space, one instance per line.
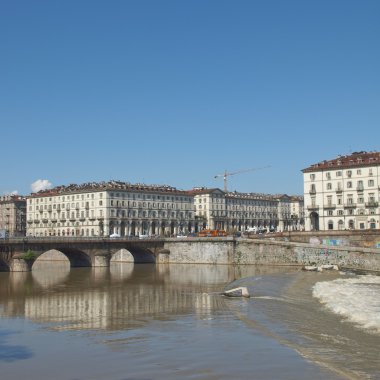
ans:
x=96 y=252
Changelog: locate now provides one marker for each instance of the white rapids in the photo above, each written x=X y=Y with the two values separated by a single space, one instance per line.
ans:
x=357 y=299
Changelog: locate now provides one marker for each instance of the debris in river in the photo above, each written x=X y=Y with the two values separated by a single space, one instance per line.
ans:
x=241 y=291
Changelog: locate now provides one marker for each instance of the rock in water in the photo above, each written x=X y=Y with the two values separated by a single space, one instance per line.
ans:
x=312 y=268
x=241 y=291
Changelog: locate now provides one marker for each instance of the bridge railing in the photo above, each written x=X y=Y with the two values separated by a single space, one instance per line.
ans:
x=76 y=238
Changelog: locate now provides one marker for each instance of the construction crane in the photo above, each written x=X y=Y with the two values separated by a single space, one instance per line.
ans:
x=226 y=174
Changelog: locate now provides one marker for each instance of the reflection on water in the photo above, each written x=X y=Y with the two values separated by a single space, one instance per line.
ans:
x=47 y=274
x=115 y=297
x=156 y=322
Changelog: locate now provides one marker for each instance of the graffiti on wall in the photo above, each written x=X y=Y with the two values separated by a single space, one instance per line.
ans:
x=314 y=240
x=371 y=244
x=334 y=242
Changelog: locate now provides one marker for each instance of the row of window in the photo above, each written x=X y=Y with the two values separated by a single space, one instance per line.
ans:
x=339 y=173
x=112 y=204
x=63 y=198
x=240 y=203
x=349 y=185
x=118 y=213
x=351 y=212
x=350 y=199
x=67 y=232
x=69 y=198
x=237 y=208
x=351 y=224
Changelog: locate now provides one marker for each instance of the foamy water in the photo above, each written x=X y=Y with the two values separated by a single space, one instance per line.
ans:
x=357 y=299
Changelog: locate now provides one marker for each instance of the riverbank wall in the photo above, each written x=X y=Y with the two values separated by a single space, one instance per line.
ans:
x=241 y=251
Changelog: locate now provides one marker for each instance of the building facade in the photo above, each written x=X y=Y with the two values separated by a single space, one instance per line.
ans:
x=343 y=193
x=13 y=215
x=297 y=213
x=115 y=207
x=234 y=211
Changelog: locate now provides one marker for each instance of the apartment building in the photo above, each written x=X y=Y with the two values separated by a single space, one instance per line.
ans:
x=13 y=215
x=297 y=213
x=234 y=211
x=114 y=207
x=343 y=193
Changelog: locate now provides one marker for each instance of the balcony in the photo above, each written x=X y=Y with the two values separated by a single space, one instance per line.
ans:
x=372 y=204
x=338 y=190
x=313 y=207
x=312 y=191
x=360 y=188
x=44 y=220
x=36 y=221
x=350 y=205
x=329 y=205
x=54 y=220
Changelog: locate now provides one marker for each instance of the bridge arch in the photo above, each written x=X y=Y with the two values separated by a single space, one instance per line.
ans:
x=137 y=255
x=4 y=265
x=76 y=257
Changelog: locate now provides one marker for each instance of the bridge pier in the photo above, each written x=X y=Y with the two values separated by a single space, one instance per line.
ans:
x=163 y=256
x=101 y=260
x=19 y=264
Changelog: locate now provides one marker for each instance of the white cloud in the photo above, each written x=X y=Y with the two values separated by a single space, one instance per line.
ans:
x=14 y=192
x=40 y=184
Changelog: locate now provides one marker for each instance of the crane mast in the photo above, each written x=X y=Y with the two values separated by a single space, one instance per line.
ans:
x=226 y=174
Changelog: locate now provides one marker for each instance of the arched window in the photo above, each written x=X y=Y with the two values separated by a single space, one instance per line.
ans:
x=340 y=225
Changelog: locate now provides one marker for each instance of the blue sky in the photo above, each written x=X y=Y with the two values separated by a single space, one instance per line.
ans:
x=175 y=92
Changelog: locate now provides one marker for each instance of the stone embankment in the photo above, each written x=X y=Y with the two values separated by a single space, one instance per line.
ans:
x=293 y=253
x=273 y=251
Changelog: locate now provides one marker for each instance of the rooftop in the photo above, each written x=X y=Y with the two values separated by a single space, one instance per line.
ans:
x=356 y=159
x=110 y=185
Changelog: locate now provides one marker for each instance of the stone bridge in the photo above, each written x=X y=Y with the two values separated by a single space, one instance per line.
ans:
x=19 y=254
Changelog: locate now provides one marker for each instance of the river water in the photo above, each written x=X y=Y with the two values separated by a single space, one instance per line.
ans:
x=145 y=322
